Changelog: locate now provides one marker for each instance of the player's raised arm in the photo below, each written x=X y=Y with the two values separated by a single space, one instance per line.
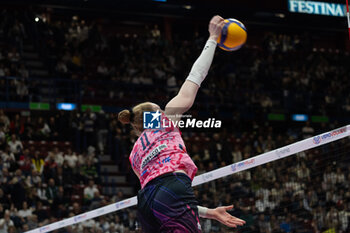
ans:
x=183 y=101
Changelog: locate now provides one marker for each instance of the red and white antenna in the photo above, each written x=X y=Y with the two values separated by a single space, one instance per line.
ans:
x=348 y=15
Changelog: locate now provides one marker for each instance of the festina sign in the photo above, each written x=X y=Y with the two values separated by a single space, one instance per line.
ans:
x=317 y=8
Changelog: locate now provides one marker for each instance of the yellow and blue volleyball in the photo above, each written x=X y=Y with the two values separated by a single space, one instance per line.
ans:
x=233 y=35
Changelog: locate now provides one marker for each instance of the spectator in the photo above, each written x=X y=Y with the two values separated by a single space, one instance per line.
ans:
x=89 y=128
x=261 y=204
x=5 y=176
x=118 y=197
x=25 y=163
x=34 y=179
x=103 y=224
x=41 y=214
x=28 y=133
x=13 y=55
x=32 y=222
x=41 y=192
x=61 y=68
x=38 y=163
x=4 y=201
x=102 y=69
x=8 y=159
x=97 y=201
x=76 y=208
x=18 y=190
x=155 y=31
x=21 y=90
x=54 y=135
x=77 y=60
x=286 y=225
x=4 y=121
x=12 y=229
x=58 y=155
x=51 y=191
x=50 y=168
x=344 y=215
x=307 y=130
x=236 y=154
x=6 y=222
x=89 y=171
x=3 y=142
x=332 y=219
x=71 y=158
x=118 y=225
x=131 y=222
x=102 y=126
x=59 y=202
x=264 y=225
x=219 y=151
x=89 y=191
x=25 y=212
x=69 y=175
x=43 y=129
x=15 y=145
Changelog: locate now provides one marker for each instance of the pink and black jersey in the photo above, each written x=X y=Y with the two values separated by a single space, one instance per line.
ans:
x=159 y=151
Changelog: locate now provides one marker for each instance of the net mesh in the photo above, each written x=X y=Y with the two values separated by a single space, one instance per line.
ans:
x=305 y=192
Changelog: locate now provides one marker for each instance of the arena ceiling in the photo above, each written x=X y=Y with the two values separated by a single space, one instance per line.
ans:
x=258 y=12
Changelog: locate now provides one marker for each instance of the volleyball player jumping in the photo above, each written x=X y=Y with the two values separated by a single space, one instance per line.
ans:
x=166 y=202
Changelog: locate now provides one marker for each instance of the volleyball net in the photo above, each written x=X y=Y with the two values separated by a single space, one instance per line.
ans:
x=303 y=185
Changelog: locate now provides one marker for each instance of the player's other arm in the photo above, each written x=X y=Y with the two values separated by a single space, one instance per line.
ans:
x=183 y=101
x=220 y=214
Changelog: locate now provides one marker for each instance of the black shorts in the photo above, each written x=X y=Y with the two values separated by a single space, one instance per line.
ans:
x=167 y=204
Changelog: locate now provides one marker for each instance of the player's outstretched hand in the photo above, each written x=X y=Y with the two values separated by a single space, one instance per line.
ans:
x=215 y=26
x=220 y=214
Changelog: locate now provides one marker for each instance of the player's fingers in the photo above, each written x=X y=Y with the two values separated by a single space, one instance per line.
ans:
x=230 y=224
x=241 y=223
x=213 y=19
x=237 y=223
x=238 y=219
x=216 y=19
x=220 y=18
x=228 y=207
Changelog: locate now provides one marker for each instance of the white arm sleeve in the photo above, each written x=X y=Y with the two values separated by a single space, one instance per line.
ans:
x=202 y=211
x=200 y=68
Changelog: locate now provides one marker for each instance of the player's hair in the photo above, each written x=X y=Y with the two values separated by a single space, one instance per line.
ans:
x=135 y=116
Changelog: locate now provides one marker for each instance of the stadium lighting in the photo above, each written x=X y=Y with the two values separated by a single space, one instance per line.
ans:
x=280 y=15
x=36 y=19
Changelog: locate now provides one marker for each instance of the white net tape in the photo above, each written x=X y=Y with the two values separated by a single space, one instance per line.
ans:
x=264 y=158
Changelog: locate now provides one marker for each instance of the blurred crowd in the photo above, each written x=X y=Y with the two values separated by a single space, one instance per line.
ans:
x=43 y=186
x=95 y=62
x=91 y=62
x=308 y=192
x=41 y=182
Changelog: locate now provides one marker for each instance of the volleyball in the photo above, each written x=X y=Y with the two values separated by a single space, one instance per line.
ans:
x=233 y=35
